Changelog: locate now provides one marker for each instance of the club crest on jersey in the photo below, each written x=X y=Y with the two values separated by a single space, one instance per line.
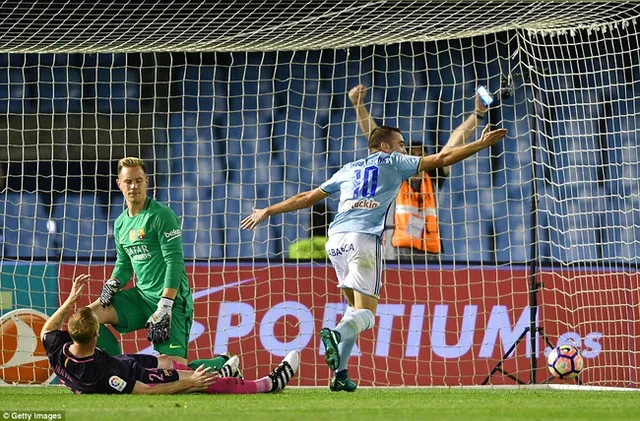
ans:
x=137 y=235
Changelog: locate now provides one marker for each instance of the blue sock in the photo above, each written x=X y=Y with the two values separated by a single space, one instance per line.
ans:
x=353 y=322
x=345 y=347
x=347 y=329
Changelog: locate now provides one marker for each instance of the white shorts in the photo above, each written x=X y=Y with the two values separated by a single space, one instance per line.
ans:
x=357 y=259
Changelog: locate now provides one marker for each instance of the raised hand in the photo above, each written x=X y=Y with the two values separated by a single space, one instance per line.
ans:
x=251 y=221
x=77 y=287
x=357 y=94
x=480 y=107
x=491 y=137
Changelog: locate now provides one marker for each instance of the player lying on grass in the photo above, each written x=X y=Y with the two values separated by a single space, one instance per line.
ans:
x=84 y=368
x=367 y=189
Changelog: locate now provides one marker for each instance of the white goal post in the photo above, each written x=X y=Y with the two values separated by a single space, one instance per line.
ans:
x=242 y=104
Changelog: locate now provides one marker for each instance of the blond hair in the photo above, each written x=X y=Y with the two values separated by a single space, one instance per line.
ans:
x=131 y=162
x=83 y=325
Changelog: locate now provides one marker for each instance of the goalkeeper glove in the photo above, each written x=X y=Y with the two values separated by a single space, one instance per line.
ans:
x=159 y=324
x=109 y=289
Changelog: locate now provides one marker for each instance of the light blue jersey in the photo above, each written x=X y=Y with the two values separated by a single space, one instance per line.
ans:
x=367 y=189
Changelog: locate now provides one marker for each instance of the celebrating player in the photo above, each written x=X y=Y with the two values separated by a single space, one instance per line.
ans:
x=367 y=188
x=148 y=242
x=84 y=368
x=414 y=217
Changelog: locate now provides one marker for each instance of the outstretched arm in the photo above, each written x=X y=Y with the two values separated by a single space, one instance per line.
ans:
x=357 y=96
x=57 y=319
x=198 y=381
x=451 y=155
x=299 y=201
x=463 y=132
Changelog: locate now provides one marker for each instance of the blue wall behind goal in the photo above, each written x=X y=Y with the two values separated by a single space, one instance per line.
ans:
x=230 y=131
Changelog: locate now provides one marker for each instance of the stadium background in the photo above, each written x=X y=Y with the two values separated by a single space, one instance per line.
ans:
x=224 y=132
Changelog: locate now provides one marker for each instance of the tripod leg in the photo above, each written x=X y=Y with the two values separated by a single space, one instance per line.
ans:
x=505 y=356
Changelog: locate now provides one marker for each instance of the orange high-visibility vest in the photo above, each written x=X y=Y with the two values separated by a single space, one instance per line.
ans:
x=417 y=204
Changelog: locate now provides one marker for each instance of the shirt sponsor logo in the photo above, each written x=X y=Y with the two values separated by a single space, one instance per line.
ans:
x=172 y=235
x=138 y=252
x=342 y=249
x=361 y=204
x=117 y=383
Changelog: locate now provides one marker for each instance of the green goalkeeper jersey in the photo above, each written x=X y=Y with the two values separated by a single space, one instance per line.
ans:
x=150 y=244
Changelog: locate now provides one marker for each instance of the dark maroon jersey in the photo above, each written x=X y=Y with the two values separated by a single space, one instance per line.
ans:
x=100 y=372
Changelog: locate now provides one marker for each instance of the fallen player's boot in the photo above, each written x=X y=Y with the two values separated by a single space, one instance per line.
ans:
x=284 y=372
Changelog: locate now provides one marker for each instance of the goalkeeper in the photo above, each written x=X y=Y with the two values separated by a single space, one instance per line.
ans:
x=148 y=242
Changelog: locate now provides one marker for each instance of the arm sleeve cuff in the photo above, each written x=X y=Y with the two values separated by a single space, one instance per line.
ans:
x=173 y=275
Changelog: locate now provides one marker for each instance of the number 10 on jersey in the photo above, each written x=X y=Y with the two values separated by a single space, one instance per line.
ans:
x=366 y=182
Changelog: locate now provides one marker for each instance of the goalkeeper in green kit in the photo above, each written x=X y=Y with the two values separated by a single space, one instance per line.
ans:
x=148 y=240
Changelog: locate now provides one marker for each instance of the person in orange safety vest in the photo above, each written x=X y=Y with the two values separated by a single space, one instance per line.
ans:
x=414 y=221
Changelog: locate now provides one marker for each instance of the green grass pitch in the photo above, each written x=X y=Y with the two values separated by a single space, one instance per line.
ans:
x=321 y=404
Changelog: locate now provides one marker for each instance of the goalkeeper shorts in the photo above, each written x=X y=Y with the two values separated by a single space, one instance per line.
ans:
x=357 y=259
x=134 y=310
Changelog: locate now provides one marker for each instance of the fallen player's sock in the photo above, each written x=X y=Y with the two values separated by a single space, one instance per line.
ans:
x=234 y=386
x=180 y=366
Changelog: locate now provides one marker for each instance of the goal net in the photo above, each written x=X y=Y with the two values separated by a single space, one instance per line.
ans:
x=236 y=106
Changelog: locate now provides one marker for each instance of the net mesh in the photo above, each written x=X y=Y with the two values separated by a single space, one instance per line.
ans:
x=225 y=127
x=125 y=26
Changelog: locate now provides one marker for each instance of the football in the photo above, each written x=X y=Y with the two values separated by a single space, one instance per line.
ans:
x=565 y=362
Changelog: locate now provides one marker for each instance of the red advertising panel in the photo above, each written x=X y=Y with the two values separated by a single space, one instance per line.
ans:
x=439 y=326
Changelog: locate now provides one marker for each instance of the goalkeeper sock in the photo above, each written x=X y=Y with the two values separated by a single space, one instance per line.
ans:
x=213 y=363
x=354 y=322
x=107 y=342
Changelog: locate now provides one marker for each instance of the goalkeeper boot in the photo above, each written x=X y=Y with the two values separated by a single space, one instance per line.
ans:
x=230 y=368
x=331 y=339
x=342 y=383
x=284 y=372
